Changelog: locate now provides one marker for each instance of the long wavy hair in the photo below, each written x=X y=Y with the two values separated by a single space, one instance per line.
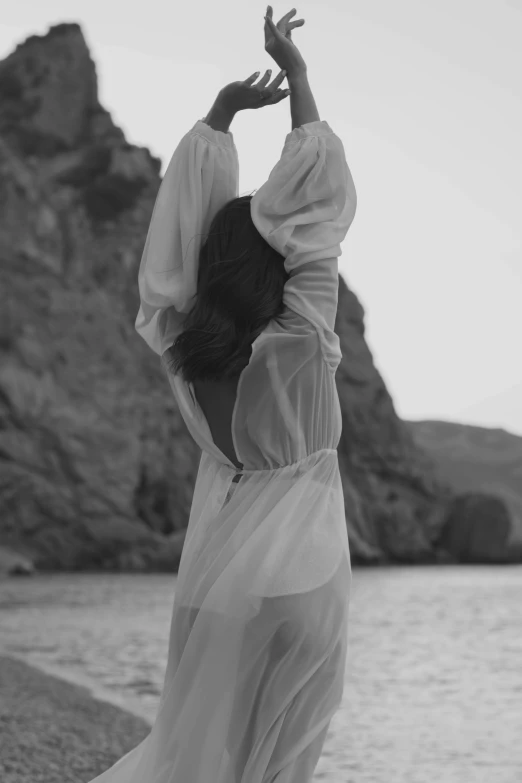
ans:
x=239 y=291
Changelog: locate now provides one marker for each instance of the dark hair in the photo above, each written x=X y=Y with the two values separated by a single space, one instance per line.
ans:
x=239 y=291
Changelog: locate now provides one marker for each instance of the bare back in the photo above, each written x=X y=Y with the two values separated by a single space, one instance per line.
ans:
x=217 y=399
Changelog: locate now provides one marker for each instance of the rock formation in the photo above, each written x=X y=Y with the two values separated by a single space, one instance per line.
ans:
x=478 y=530
x=484 y=466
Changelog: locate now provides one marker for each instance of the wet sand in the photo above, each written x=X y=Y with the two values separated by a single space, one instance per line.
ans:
x=55 y=732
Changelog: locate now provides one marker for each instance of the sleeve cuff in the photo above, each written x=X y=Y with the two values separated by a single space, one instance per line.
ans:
x=219 y=138
x=314 y=128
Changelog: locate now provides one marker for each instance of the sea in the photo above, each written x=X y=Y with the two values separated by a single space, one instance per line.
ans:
x=433 y=688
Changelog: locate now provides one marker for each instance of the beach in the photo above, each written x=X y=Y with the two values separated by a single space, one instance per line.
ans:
x=432 y=689
x=55 y=732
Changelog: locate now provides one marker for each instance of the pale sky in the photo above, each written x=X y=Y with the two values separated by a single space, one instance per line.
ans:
x=427 y=100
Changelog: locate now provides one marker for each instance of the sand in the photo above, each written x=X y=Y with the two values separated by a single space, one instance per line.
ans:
x=52 y=731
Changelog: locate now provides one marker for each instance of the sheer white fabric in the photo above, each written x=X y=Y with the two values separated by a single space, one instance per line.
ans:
x=259 y=630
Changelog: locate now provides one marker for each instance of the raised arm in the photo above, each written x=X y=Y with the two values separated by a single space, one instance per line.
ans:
x=201 y=177
x=279 y=45
x=302 y=104
x=308 y=203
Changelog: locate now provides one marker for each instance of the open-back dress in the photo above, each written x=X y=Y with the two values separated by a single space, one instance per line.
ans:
x=259 y=630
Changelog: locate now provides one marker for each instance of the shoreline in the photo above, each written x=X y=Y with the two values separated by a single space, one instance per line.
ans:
x=57 y=731
x=95 y=691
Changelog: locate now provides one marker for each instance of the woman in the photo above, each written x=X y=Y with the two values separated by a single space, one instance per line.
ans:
x=244 y=324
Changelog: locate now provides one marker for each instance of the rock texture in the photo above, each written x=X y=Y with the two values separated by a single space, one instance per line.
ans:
x=395 y=505
x=478 y=530
x=483 y=465
x=94 y=469
x=14 y=563
x=96 y=465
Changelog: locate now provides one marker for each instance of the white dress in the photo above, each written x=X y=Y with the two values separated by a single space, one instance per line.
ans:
x=259 y=629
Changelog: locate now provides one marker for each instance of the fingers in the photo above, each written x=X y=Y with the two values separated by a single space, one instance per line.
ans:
x=278 y=79
x=287 y=16
x=252 y=78
x=271 y=26
x=278 y=96
x=284 y=26
x=266 y=78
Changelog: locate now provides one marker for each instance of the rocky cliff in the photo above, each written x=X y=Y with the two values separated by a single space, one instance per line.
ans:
x=483 y=466
x=96 y=465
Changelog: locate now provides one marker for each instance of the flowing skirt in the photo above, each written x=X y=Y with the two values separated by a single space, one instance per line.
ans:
x=258 y=637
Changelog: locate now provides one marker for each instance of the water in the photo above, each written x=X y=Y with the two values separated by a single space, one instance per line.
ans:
x=433 y=684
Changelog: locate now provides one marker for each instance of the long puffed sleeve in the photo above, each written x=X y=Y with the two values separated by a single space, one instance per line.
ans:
x=304 y=211
x=202 y=176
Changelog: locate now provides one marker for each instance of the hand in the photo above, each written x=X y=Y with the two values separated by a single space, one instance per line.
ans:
x=279 y=44
x=247 y=95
